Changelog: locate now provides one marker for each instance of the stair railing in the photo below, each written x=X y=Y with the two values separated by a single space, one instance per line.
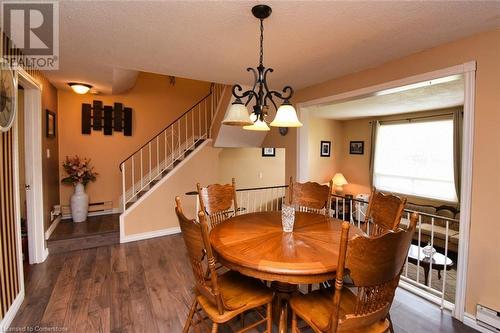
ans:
x=148 y=164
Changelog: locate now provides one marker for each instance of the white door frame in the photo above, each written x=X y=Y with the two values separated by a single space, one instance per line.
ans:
x=469 y=71
x=33 y=166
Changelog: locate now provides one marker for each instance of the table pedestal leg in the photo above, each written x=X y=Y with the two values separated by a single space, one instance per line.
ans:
x=426 y=274
x=283 y=293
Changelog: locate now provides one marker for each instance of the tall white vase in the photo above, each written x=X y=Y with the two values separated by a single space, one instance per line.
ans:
x=79 y=204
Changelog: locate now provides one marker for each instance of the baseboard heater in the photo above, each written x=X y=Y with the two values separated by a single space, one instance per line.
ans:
x=488 y=318
x=95 y=208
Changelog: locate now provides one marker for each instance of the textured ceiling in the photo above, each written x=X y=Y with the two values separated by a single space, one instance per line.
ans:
x=305 y=42
x=432 y=97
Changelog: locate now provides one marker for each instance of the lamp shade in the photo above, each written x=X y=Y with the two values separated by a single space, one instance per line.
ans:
x=259 y=125
x=286 y=116
x=339 y=179
x=237 y=115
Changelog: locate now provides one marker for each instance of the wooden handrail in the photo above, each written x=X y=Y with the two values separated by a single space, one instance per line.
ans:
x=245 y=189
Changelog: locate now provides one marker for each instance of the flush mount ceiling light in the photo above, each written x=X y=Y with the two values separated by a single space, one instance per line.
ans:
x=80 y=88
x=286 y=116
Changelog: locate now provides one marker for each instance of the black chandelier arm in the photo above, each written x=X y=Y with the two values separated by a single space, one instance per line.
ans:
x=284 y=96
x=264 y=78
x=238 y=88
x=269 y=96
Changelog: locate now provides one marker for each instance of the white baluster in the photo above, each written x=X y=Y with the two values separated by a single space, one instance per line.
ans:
x=149 y=158
x=142 y=171
x=165 y=161
x=419 y=239
x=133 y=176
x=406 y=265
x=124 y=199
x=443 y=288
x=432 y=245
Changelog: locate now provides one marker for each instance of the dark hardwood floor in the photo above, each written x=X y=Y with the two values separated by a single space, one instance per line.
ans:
x=145 y=286
x=96 y=231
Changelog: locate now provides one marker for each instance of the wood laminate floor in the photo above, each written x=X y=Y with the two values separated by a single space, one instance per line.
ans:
x=145 y=286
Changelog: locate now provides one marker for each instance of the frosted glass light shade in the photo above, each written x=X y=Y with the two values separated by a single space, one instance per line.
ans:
x=80 y=88
x=259 y=125
x=237 y=115
x=286 y=116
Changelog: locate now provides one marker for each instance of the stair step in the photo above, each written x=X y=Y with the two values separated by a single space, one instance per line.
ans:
x=164 y=173
x=187 y=152
x=141 y=193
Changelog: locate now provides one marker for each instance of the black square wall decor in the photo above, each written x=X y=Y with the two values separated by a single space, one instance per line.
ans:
x=97 y=117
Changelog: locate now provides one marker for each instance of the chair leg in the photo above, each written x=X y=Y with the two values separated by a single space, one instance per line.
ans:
x=391 y=328
x=215 y=327
x=309 y=288
x=189 y=319
x=242 y=320
x=269 y=318
x=294 y=322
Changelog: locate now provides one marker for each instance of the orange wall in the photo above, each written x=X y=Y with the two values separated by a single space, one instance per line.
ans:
x=322 y=168
x=484 y=48
x=50 y=165
x=155 y=103
x=156 y=211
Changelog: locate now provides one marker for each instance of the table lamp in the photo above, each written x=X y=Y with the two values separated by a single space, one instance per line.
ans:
x=338 y=182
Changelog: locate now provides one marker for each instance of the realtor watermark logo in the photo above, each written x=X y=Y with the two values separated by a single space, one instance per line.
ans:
x=33 y=28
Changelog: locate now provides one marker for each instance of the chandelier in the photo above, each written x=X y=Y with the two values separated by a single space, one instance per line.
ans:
x=286 y=116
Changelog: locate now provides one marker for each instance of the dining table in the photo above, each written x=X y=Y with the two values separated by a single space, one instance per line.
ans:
x=255 y=245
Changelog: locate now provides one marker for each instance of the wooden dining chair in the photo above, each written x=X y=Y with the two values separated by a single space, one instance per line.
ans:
x=384 y=213
x=218 y=201
x=375 y=265
x=221 y=297
x=310 y=197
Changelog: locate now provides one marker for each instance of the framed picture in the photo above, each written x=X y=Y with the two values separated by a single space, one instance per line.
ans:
x=50 y=122
x=325 y=148
x=357 y=147
x=268 y=152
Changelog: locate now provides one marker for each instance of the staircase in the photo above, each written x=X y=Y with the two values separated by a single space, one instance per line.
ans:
x=159 y=156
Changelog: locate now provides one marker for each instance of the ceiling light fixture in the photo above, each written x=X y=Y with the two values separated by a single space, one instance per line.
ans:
x=286 y=116
x=80 y=88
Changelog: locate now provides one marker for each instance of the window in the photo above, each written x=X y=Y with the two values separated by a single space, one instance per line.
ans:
x=416 y=158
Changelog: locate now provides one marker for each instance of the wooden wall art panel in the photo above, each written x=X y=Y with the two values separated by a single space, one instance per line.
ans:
x=97 y=116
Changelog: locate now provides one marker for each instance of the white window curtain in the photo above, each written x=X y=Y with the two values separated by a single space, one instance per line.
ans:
x=416 y=158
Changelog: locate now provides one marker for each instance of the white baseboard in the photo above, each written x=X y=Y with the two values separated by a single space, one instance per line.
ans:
x=52 y=227
x=150 y=234
x=98 y=213
x=11 y=313
x=470 y=321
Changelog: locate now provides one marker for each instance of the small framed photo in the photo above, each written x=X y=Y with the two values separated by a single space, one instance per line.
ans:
x=50 y=120
x=326 y=147
x=268 y=152
x=357 y=147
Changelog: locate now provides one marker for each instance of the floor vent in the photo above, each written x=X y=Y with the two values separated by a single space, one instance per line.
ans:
x=488 y=318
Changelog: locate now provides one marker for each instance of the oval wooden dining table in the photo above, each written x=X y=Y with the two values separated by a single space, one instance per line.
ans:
x=255 y=245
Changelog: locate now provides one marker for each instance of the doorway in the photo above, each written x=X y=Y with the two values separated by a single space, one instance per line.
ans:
x=28 y=171
x=468 y=72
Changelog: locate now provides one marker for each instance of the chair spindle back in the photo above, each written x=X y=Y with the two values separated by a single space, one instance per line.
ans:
x=384 y=211
x=200 y=254
x=374 y=264
x=218 y=201
x=310 y=197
